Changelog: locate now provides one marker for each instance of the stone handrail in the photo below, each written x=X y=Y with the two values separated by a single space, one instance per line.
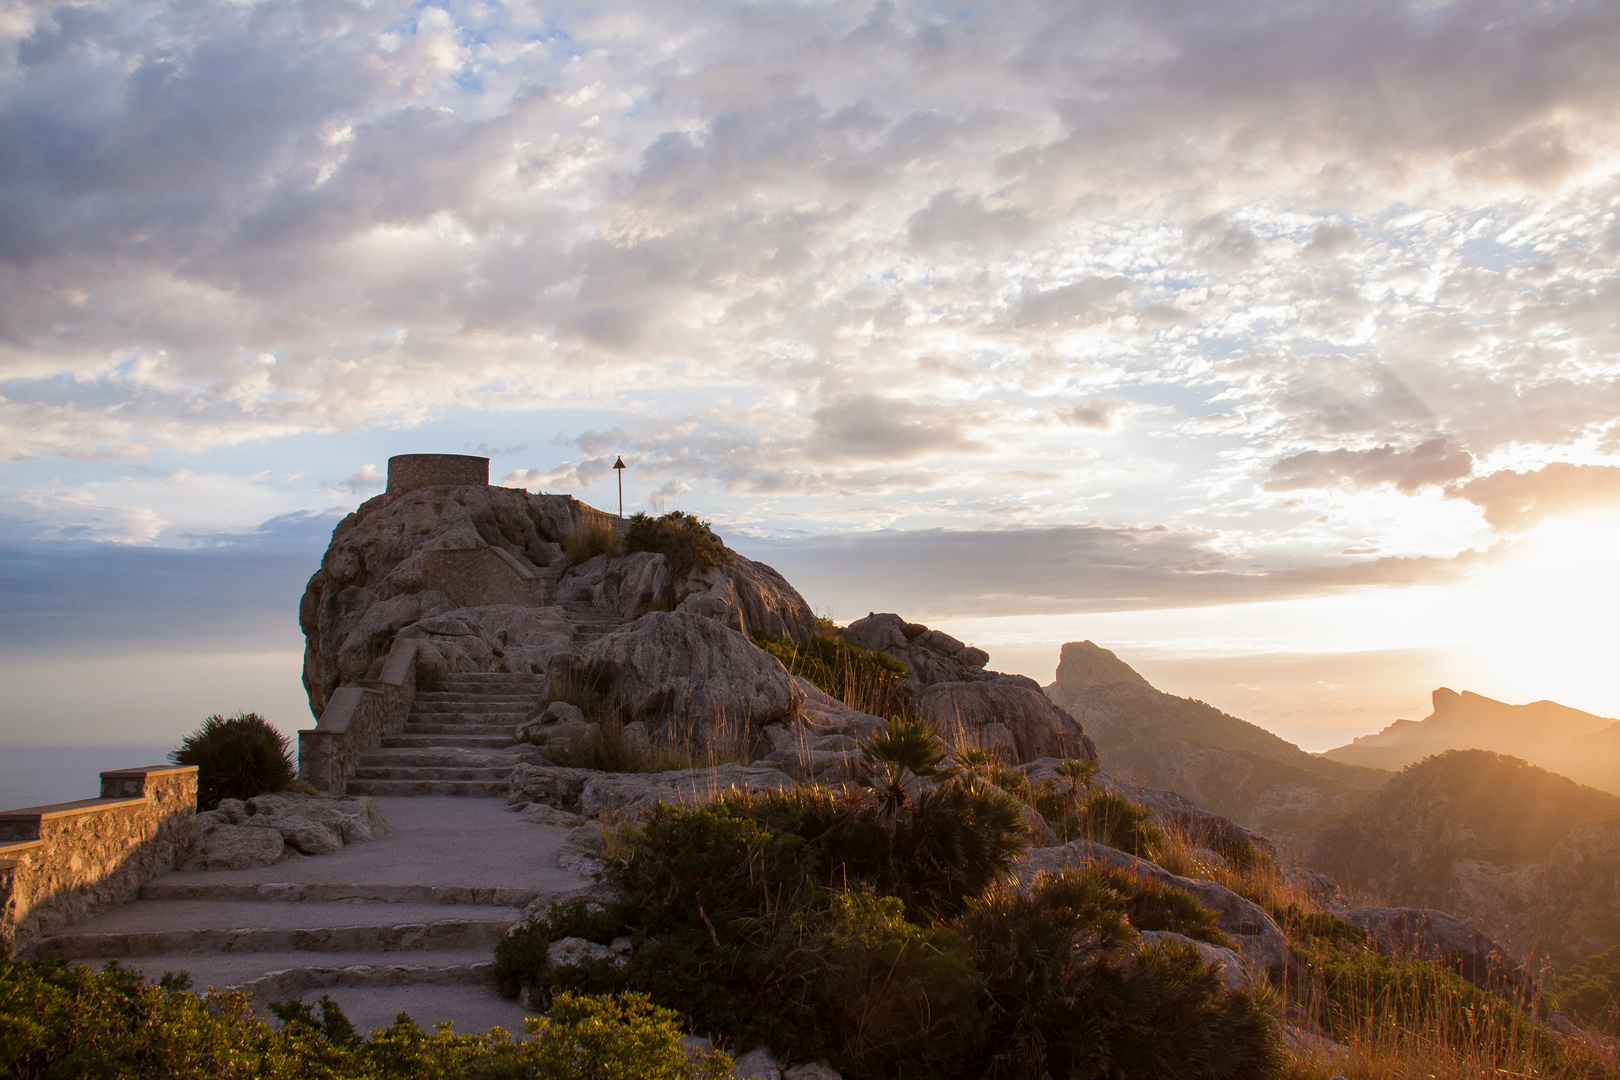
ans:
x=63 y=863
x=356 y=719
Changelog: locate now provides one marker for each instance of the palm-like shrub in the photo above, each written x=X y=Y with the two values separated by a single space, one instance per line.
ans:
x=236 y=758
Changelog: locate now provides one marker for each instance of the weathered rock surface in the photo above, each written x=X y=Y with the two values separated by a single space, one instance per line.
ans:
x=1445 y=939
x=590 y=794
x=571 y=951
x=1234 y=973
x=1262 y=943
x=259 y=831
x=480 y=573
x=689 y=679
x=969 y=705
x=757 y=1064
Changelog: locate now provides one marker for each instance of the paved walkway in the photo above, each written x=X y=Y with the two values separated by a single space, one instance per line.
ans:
x=407 y=923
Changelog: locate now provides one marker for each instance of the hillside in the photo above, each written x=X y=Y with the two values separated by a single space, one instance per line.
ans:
x=1219 y=761
x=1533 y=855
x=1577 y=744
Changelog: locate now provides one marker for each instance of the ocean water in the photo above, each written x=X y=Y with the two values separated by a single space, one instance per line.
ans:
x=41 y=775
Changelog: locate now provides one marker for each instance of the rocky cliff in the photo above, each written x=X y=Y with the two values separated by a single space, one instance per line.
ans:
x=483 y=577
x=1220 y=762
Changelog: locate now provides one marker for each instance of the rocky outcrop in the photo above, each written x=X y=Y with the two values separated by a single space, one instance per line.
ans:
x=1445 y=939
x=688 y=678
x=262 y=830
x=591 y=794
x=968 y=704
x=481 y=574
x=1261 y=942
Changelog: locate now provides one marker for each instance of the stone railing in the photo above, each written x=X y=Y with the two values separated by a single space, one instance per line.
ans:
x=63 y=863
x=356 y=719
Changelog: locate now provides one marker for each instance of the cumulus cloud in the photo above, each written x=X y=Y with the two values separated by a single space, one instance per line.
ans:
x=1431 y=463
x=1098 y=413
x=1514 y=501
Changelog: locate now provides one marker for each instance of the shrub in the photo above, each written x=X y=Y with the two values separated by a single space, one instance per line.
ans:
x=1590 y=992
x=872 y=682
x=61 y=1021
x=591 y=541
x=1069 y=995
x=687 y=544
x=236 y=758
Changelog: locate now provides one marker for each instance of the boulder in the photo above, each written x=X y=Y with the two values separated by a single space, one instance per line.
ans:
x=551 y=785
x=689 y=679
x=1259 y=939
x=1009 y=704
x=930 y=656
x=1319 y=887
x=1234 y=973
x=815 y=1071
x=303 y=819
x=757 y=1064
x=1445 y=939
x=233 y=847
x=570 y=951
x=627 y=794
x=559 y=724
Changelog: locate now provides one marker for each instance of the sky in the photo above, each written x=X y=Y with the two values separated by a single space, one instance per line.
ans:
x=1272 y=344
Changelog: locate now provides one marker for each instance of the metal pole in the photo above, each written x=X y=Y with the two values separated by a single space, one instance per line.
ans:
x=621 y=491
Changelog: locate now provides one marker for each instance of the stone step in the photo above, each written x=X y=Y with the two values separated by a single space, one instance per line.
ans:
x=428 y=772
x=435 y=742
x=441 y=757
x=473 y=712
x=436 y=727
x=151 y=927
x=484 y=679
x=437 y=697
x=285 y=892
x=480 y=789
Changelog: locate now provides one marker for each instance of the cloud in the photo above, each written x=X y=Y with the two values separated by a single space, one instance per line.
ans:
x=1515 y=501
x=1432 y=463
x=367 y=479
x=1098 y=413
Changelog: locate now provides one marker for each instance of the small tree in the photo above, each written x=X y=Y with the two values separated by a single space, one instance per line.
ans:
x=236 y=758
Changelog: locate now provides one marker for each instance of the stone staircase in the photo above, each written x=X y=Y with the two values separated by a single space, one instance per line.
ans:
x=452 y=742
x=590 y=623
x=407 y=922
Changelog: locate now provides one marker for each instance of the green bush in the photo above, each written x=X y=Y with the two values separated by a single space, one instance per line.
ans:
x=687 y=544
x=58 y=1021
x=1590 y=992
x=1070 y=995
x=872 y=682
x=236 y=758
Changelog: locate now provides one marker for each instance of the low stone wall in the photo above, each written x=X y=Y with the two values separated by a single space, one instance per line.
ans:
x=63 y=863
x=476 y=576
x=356 y=719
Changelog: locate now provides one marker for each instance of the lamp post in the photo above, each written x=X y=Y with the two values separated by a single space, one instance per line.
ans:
x=618 y=467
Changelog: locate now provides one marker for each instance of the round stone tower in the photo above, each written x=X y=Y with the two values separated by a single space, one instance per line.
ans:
x=407 y=472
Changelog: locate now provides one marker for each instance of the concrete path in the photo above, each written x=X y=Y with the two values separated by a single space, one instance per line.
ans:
x=407 y=923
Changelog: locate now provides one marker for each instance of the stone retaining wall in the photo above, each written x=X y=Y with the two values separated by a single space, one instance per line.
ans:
x=63 y=863
x=356 y=719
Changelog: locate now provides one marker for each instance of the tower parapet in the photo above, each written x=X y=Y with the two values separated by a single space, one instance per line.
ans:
x=407 y=472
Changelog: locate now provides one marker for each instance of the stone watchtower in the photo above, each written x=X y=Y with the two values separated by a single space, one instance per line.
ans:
x=407 y=472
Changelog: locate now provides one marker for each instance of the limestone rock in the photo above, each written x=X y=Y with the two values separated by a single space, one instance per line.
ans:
x=1259 y=939
x=302 y=818
x=930 y=655
x=1445 y=939
x=636 y=738
x=689 y=678
x=541 y=814
x=627 y=794
x=557 y=724
x=234 y=847
x=582 y=850
x=552 y=785
x=1318 y=886
x=571 y=951
x=757 y=1064
x=1013 y=704
x=812 y=1072
x=1234 y=974
x=1084 y=664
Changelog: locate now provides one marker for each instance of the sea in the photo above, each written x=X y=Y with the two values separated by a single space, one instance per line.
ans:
x=41 y=775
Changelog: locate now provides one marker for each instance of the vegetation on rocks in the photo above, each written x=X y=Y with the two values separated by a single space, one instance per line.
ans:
x=874 y=927
x=589 y=542
x=58 y=1021
x=687 y=543
x=873 y=682
x=1590 y=992
x=236 y=758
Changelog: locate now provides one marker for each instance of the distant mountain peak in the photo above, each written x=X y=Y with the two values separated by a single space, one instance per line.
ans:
x=1085 y=663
